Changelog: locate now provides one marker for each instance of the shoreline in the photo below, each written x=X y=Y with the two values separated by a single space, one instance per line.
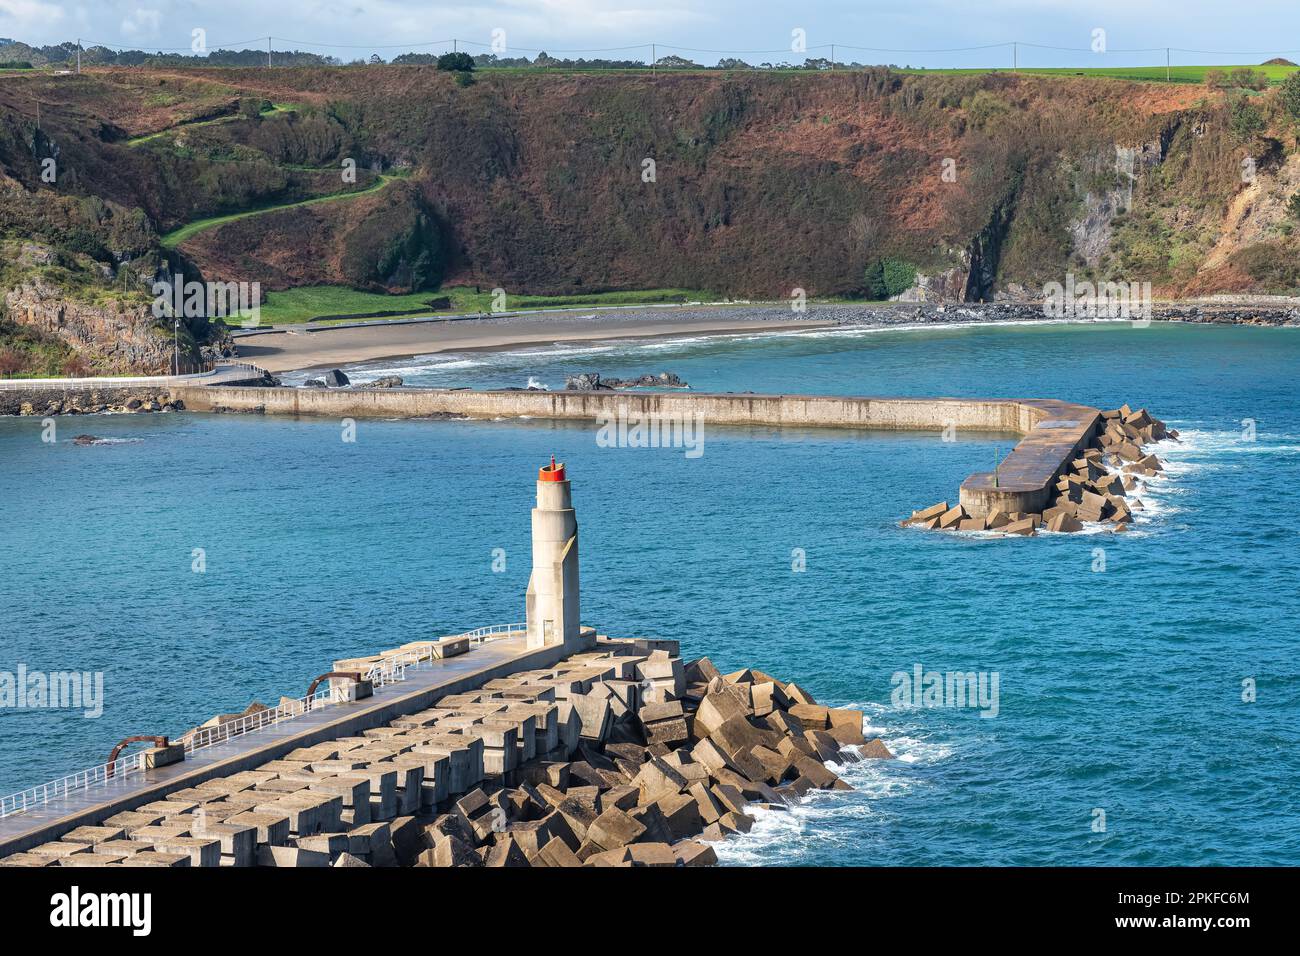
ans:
x=294 y=350
x=291 y=351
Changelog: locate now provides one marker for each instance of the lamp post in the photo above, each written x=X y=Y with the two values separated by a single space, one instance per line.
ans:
x=176 y=344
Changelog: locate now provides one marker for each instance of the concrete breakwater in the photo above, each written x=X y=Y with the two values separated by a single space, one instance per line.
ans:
x=619 y=755
x=1055 y=432
x=1088 y=491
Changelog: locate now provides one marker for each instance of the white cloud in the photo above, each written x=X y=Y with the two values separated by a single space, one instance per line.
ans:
x=141 y=24
x=21 y=18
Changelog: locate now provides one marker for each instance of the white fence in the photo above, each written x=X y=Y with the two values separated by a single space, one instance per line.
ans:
x=392 y=669
x=222 y=373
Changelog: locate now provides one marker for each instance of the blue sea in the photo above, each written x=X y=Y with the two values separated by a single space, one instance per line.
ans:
x=1147 y=710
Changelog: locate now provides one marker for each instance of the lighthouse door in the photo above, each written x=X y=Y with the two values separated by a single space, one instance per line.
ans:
x=548 y=631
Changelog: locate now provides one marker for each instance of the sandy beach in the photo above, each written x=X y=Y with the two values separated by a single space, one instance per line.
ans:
x=294 y=349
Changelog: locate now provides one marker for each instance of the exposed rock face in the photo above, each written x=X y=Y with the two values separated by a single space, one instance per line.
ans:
x=944 y=287
x=115 y=340
x=1091 y=233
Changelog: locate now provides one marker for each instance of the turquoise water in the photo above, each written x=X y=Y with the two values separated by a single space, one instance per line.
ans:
x=1119 y=690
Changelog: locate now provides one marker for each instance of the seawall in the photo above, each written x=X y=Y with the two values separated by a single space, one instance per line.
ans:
x=1054 y=432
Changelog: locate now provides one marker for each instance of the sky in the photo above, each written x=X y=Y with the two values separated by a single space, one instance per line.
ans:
x=754 y=30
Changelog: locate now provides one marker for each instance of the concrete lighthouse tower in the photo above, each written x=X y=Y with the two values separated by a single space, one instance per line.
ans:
x=553 y=585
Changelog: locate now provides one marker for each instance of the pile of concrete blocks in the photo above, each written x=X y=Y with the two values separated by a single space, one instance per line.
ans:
x=1094 y=488
x=620 y=756
x=668 y=757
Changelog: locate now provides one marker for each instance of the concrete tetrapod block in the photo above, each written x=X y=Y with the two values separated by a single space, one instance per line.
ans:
x=272 y=828
x=1024 y=526
x=290 y=856
x=811 y=716
x=1064 y=523
x=238 y=842
x=354 y=789
x=656 y=778
x=652 y=854
x=556 y=853
x=927 y=514
x=716 y=709
x=846 y=725
x=693 y=853
x=154 y=858
x=951 y=518
x=613 y=829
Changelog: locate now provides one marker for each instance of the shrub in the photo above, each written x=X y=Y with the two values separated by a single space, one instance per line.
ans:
x=456 y=62
x=1293 y=206
x=11 y=362
x=886 y=278
x=1270 y=264
x=76 y=367
x=1248 y=79
x=1246 y=121
x=1290 y=95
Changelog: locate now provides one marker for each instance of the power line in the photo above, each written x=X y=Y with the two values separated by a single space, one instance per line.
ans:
x=656 y=45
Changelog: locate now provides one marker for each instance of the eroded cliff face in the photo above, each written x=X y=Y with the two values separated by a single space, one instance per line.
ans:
x=114 y=338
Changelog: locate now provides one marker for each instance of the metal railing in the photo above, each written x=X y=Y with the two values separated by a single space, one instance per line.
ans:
x=117 y=772
x=258 y=719
x=484 y=634
x=225 y=370
x=392 y=669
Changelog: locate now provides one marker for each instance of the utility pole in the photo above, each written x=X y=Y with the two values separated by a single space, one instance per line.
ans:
x=1166 y=64
x=455 y=45
x=78 y=56
x=832 y=57
x=653 y=58
x=1015 y=57
x=268 y=53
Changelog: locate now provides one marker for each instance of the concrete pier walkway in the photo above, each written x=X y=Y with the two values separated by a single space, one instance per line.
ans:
x=424 y=684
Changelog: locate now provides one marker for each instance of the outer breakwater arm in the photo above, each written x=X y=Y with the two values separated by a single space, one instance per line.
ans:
x=1054 y=432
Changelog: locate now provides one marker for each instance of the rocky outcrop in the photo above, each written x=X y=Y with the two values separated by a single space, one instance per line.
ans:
x=114 y=338
x=942 y=287
x=592 y=382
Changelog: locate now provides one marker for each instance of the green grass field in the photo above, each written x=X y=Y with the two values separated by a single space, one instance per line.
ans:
x=190 y=229
x=308 y=302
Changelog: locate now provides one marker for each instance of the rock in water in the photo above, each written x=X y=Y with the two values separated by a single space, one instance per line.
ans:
x=586 y=382
x=592 y=382
x=85 y=440
x=388 y=381
x=336 y=379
